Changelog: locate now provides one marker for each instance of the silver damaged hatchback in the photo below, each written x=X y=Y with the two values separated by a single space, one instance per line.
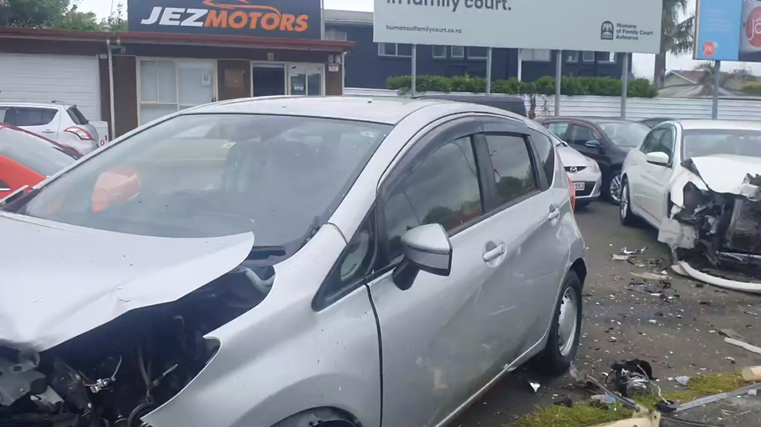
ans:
x=283 y=261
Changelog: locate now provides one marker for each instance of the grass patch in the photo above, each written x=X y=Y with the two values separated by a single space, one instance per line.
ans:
x=589 y=414
x=699 y=386
x=581 y=415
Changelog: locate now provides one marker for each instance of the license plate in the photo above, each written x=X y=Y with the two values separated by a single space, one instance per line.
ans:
x=579 y=186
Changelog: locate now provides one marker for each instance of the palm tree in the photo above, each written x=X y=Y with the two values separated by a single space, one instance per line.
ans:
x=676 y=37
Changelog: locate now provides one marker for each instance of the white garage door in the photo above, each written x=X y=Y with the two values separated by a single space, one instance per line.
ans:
x=46 y=78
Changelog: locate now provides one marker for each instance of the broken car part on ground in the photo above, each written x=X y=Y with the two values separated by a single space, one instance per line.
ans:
x=714 y=222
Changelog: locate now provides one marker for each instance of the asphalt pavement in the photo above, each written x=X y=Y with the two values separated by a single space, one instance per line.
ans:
x=675 y=329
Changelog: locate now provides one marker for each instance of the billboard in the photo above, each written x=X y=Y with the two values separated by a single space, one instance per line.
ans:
x=597 y=25
x=263 y=18
x=728 y=30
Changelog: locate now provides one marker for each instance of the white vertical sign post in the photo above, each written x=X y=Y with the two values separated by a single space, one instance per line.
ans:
x=624 y=85
x=488 y=71
x=413 y=84
x=717 y=80
x=520 y=65
x=558 y=80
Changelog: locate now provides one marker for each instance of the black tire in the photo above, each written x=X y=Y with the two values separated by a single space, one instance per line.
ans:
x=607 y=193
x=552 y=360
x=625 y=214
x=320 y=416
x=582 y=204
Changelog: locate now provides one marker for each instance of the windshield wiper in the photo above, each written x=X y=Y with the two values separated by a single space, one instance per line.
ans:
x=14 y=201
x=264 y=252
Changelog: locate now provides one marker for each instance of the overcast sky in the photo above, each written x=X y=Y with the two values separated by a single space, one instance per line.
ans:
x=642 y=64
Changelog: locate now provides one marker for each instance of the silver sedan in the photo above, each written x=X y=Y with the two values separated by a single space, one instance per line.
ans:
x=290 y=261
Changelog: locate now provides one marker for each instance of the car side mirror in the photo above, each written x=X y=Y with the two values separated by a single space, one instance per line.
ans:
x=658 y=158
x=593 y=144
x=425 y=248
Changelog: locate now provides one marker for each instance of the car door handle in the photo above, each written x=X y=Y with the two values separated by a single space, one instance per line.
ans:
x=554 y=213
x=494 y=253
x=48 y=131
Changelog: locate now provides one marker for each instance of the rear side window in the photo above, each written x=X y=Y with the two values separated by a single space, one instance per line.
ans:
x=35 y=153
x=76 y=116
x=443 y=189
x=513 y=169
x=28 y=116
x=546 y=154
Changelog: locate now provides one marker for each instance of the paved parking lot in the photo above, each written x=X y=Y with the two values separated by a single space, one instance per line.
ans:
x=677 y=335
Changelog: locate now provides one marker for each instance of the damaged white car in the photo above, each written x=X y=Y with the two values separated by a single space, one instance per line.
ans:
x=699 y=183
x=294 y=261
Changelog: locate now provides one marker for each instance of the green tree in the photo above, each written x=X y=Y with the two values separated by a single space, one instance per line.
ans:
x=115 y=22
x=76 y=20
x=32 y=13
x=677 y=36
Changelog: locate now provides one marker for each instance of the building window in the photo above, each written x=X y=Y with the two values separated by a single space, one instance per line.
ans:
x=334 y=34
x=167 y=86
x=395 y=49
x=477 y=52
x=305 y=79
x=588 y=56
x=608 y=57
x=439 y=52
x=535 y=55
x=572 y=56
x=458 y=52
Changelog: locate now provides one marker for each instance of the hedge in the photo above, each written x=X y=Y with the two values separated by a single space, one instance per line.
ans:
x=602 y=86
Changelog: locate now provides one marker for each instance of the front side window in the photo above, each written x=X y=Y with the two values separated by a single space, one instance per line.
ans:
x=697 y=143
x=33 y=152
x=650 y=144
x=210 y=175
x=27 y=116
x=443 y=189
x=625 y=134
x=546 y=152
x=559 y=129
x=513 y=170
x=580 y=135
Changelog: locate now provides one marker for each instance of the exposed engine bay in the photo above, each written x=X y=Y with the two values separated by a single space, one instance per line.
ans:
x=117 y=373
x=720 y=233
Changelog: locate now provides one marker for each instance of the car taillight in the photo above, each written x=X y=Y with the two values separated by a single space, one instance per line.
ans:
x=572 y=192
x=81 y=133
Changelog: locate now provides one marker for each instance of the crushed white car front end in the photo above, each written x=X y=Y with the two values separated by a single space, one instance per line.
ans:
x=714 y=221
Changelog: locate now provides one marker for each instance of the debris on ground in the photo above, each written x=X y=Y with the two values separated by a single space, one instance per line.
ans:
x=683 y=380
x=534 y=385
x=731 y=333
x=749 y=347
x=751 y=373
x=651 y=276
x=626 y=251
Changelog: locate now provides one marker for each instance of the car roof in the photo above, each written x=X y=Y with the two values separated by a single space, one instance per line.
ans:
x=590 y=119
x=719 y=125
x=385 y=110
x=35 y=104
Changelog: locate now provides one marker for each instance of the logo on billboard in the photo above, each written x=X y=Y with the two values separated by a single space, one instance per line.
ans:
x=753 y=27
x=709 y=49
x=287 y=18
x=606 y=31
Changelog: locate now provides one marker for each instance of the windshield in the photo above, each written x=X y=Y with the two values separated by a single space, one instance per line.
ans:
x=625 y=134
x=35 y=153
x=215 y=175
x=708 y=142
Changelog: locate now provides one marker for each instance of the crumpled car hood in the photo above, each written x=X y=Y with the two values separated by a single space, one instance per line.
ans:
x=59 y=281
x=571 y=157
x=726 y=173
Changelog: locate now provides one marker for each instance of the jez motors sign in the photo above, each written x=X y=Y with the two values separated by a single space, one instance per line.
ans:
x=262 y=18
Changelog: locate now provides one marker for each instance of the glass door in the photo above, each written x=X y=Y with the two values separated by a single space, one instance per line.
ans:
x=305 y=79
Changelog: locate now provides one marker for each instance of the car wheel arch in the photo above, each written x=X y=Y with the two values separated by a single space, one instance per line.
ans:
x=580 y=268
x=323 y=417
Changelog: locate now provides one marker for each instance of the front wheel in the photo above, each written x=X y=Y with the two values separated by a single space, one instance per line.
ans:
x=612 y=188
x=563 y=341
x=625 y=214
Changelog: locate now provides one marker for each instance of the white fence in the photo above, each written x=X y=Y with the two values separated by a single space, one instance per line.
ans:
x=636 y=108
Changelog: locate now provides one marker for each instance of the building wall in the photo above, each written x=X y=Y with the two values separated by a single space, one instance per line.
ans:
x=365 y=68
